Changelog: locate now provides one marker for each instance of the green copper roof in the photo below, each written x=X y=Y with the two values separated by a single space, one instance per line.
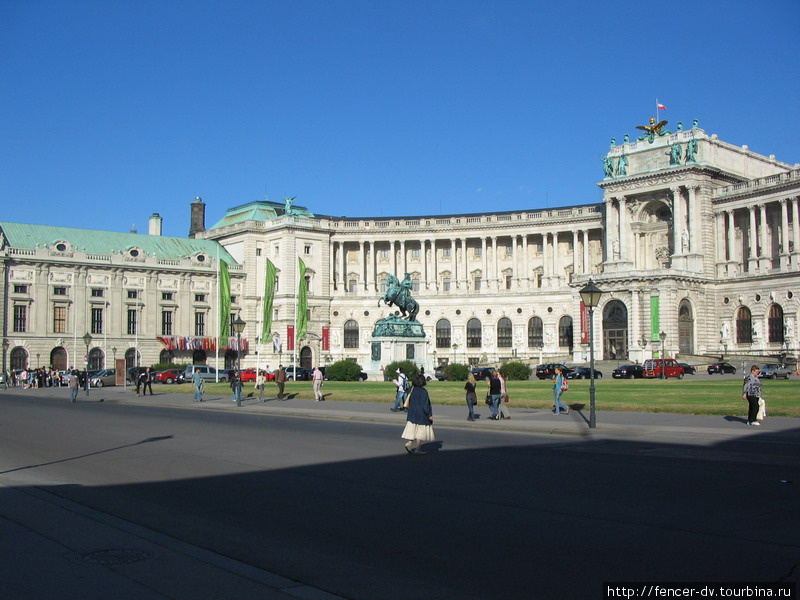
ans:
x=260 y=210
x=22 y=235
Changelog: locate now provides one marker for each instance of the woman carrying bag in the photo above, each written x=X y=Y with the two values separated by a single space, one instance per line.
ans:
x=419 y=418
x=472 y=396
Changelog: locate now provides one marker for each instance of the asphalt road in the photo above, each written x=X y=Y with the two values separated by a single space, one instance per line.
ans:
x=339 y=505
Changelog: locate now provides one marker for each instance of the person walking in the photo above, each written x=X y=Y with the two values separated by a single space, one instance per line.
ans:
x=280 y=379
x=559 y=387
x=504 y=412
x=146 y=381
x=236 y=386
x=74 y=385
x=494 y=395
x=472 y=396
x=199 y=386
x=402 y=386
x=751 y=391
x=316 y=383
x=419 y=419
x=261 y=381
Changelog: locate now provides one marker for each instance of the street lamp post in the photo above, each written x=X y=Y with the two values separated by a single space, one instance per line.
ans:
x=5 y=366
x=590 y=294
x=87 y=339
x=662 y=336
x=238 y=327
x=643 y=345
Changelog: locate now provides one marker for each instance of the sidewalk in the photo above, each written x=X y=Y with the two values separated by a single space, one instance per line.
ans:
x=616 y=425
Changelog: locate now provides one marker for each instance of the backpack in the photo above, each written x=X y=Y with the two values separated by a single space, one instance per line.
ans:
x=564 y=384
x=406 y=385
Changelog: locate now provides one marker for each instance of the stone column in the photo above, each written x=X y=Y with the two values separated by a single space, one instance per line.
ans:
x=795 y=233
x=624 y=229
x=694 y=221
x=611 y=231
x=514 y=266
x=732 y=262
x=784 y=247
x=765 y=257
x=363 y=268
x=586 y=266
x=403 y=261
x=526 y=276
x=495 y=274
x=719 y=243
x=677 y=221
x=752 y=260
x=332 y=267
x=545 y=266
x=453 y=264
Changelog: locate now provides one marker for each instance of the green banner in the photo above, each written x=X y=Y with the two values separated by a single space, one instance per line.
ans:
x=269 y=296
x=224 y=303
x=302 y=302
x=655 y=319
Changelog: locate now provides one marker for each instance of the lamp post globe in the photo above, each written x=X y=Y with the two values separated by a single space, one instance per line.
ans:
x=238 y=327
x=662 y=336
x=590 y=295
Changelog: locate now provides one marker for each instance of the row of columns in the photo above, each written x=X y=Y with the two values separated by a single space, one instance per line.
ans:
x=757 y=254
x=461 y=269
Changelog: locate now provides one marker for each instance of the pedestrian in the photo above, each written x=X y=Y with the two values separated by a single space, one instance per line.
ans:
x=559 y=387
x=419 y=419
x=472 y=396
x=316 y=382
x=504 y=412
x=236 y=386
x=402 y=389
x=261 y=381
x=751 y=391
x=146 y=381
x=85 y=383
x=74 y=384
x=138 y=379
x=493 y=395
x=199 y=385
x=280 y=380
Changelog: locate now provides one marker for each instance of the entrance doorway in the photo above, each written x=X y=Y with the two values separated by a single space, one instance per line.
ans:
x=685 y=328
x=305 y=358
x=615 y=331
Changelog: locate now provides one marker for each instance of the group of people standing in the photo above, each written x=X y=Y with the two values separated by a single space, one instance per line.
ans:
x=496 y=396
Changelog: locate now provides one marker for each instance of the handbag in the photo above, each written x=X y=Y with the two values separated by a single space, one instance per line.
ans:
x=505 y=397
x=408 y=399
x=473 y=398
x=489 y=399
x=762 y=409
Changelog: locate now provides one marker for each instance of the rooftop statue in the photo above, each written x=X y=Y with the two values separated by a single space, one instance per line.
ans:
x=398 y=293
x=652 y=130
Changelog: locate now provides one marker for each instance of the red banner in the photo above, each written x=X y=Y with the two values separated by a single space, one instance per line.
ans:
x=584 y=324
x=290 y=337
x=326 y=338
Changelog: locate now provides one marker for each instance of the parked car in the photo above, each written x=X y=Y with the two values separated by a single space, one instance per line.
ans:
x=584 y=373
x=103 y=378
x=721 y=367
x=628 y=372
x=775 y=370
x=249 y=375
x=133 y=373
x=170 y=376
x=662 y=367
x=481 y=373
x=206 y=373
x=688 y=369
x=302 y=374
x=548 y=370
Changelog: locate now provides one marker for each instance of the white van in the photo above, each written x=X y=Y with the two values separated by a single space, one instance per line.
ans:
x=206 y=372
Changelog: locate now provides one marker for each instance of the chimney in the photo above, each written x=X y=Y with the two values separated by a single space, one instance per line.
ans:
x=155 y=224
x=198 y=217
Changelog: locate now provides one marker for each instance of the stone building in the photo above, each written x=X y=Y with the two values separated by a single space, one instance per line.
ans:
x=696 y=239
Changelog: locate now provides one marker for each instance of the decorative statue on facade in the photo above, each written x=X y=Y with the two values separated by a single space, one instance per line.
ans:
x=608 y=167
x=652 y=130
x=691 y=151
x=288 y=209
x=398 y=293
x=622 y=166
x=675 y=155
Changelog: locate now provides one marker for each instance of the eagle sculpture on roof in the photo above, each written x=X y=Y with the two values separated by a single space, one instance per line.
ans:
x=654 y=128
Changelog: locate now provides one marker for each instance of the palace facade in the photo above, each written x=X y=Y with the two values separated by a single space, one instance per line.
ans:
x=696 y=247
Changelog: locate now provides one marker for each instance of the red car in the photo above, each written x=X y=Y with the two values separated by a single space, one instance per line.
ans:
x=170 y=376
x=250 y=375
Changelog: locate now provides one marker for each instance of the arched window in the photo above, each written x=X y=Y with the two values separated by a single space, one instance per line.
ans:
x=132 y=358
x=58 y=359
x=744 y=326
x=166 y=357
x=96 y=359
x=473 y=333
x=443 y=333
x=775 y=324
x=351 y=334
x=535 y=333
x=19 y=358
x=565 y=332
x=504 y=330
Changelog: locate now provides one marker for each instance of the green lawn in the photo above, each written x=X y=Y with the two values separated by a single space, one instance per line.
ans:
x=700 y=396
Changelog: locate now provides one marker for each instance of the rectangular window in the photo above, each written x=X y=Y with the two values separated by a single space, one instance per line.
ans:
x=20 y=318
x=59 y=291
x=383 y=254
x=98 y=292
x=133 y=293
x=277 y=250
x=234 y=299
x=167 y=295
x=352 y=286
x=415 y=253
x=476 y=284
x=477 y=251
x=97 y=320
x=446 y=284
x=307 y=249
x=166 y=322
x=446 y=252
x=20 y=289
x=199 y=324
x=508 y=282
x=384 y=287
x=258 y=251
x=59 y=319
x=132 y=321
x=199 y=297
x=415 y=285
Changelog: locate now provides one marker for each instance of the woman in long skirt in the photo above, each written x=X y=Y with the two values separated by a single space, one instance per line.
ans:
x=419 y=417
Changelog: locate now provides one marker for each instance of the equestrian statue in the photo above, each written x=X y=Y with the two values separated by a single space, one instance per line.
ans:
x=398 y=293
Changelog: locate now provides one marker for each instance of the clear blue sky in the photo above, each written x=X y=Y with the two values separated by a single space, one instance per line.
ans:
x=113 y=110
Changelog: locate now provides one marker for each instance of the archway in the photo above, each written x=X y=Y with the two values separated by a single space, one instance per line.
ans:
x=132 y=358
x=230 y=359
x=685 y=328
x=615 y=330
x=19 y=358
x=58 y=359
x=199 y=357
x=305 y=358
x=96 y=359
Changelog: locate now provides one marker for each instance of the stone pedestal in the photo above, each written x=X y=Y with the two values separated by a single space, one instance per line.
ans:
x=395 y=339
